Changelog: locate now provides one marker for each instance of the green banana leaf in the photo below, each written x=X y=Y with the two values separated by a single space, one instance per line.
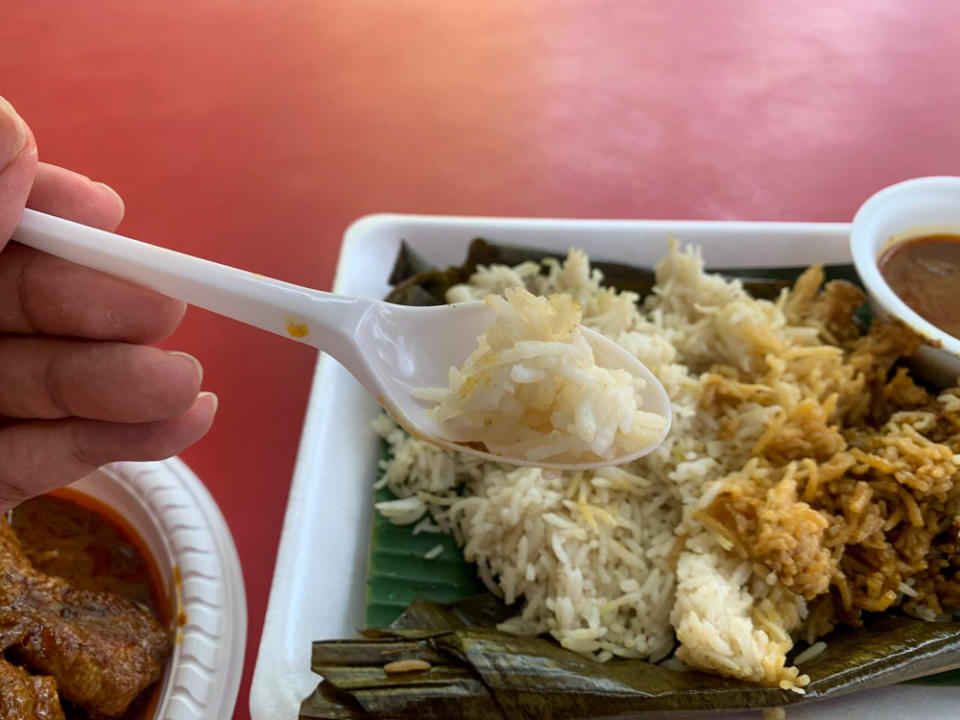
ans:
x=434 y=610
x=398 y=573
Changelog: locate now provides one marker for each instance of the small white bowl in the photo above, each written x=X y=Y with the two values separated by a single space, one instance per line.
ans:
x=181 y=525
x=923 y=206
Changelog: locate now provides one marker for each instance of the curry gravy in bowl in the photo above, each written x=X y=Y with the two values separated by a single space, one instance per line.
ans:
x=924 y=272
x=91 y=581
x=905 y=244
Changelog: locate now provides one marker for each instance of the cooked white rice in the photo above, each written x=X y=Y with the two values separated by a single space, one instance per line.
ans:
x=532 y=389
x=814 y=651
x=612 y=562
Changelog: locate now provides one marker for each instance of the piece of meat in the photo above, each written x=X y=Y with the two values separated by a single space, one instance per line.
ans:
x=101 y=649
x=27 y=697
x=830 y=310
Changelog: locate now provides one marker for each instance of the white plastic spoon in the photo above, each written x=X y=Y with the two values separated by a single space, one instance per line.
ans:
x=390 y=349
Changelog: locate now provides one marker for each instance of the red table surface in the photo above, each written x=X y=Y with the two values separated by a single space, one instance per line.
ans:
x=253 y=133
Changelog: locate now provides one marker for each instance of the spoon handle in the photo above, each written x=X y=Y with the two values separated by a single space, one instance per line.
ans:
x=309 y=316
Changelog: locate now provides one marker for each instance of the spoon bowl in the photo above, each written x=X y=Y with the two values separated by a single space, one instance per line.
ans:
x=406 y=348
x=391 y=349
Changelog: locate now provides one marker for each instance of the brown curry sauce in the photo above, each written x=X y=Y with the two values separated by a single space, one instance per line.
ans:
x=73 y=536
x=925 y=274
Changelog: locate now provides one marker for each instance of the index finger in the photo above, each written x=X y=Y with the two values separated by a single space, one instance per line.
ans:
x=76 y=197
x=40 y=293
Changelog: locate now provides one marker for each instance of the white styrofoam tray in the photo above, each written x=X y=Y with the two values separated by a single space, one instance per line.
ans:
x=318 y=584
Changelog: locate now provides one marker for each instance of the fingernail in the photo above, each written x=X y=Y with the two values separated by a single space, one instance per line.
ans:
x=13 y=133
x=110 y=191
x=191 y=358
x=214 y=400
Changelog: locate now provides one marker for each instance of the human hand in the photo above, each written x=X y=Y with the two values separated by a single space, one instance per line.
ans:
x=79 y=386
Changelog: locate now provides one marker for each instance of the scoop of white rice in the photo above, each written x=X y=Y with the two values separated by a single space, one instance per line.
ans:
x=533 y=388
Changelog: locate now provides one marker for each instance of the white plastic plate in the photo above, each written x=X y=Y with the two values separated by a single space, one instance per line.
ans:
x=182 y=527
x=318 y=583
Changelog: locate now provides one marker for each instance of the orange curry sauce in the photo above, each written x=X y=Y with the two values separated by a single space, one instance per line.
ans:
x=925 y=274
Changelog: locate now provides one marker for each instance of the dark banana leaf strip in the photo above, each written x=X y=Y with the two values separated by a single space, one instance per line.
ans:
x=418 y=283
x=479 y=672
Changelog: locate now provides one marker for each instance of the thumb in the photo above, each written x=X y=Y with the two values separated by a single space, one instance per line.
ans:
x=18 y=162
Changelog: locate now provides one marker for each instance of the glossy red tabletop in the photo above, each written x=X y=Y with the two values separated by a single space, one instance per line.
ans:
x=253 y=133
